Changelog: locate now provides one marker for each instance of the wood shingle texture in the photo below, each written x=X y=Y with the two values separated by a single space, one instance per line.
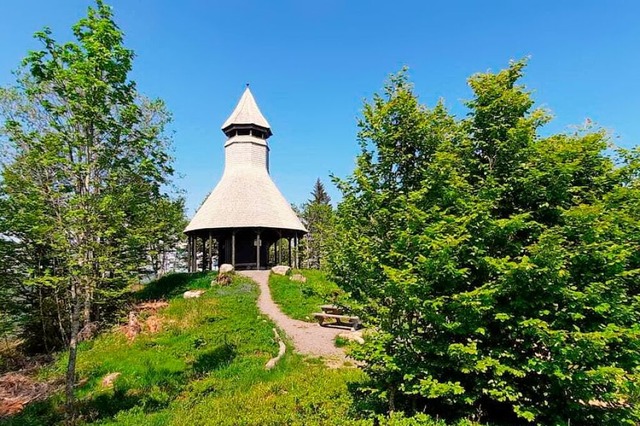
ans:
x=246 y=197
x=246 y=112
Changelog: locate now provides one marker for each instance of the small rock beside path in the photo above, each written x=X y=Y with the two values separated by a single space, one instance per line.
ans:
x=299 y=278
x=193 y=294
x=280 y=270
x=226 y=268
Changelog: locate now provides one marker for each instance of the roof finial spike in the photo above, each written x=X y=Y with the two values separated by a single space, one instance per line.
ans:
x=247 y=84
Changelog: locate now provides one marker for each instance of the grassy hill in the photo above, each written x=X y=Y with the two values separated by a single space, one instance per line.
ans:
x=201 y=362
x=205 y=365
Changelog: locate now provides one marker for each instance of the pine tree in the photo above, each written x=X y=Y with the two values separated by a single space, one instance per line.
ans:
x=319 y=194
x=317 y=214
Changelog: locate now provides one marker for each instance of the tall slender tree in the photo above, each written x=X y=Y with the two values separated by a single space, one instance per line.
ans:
x=85 y=157
x=317 y=214
x=319 y=194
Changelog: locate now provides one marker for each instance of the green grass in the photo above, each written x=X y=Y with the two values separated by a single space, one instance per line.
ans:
x=205 y=367
x=300 y=300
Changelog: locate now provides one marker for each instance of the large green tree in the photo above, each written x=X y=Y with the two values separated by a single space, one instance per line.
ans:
x=85 y=162
x=496 y=268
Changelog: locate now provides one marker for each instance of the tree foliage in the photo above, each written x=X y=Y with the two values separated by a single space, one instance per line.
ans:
x=319 y=194
x=496 y=268
x=84 y=170
x=317 y=215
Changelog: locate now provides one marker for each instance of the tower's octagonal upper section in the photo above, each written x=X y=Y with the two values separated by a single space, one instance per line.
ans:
x=246 y=115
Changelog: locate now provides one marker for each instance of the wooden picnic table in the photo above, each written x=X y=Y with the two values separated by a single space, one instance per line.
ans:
x=332 y=309
x=336 y=313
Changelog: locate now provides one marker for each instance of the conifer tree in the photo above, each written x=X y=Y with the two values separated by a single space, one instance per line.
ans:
x=319 y=194
x=317 y=215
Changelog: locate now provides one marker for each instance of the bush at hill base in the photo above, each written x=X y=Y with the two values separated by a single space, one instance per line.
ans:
x=496 y=268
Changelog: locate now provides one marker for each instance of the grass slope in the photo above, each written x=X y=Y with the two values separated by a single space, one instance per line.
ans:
x=205 y=366
x=299 y=300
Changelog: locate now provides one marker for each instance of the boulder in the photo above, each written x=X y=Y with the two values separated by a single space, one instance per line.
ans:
x=88 y=331
x=109 y=379
x=226 y=268
x=133 y=328
x=193 y=294
x=281 y=270
x=299 y=278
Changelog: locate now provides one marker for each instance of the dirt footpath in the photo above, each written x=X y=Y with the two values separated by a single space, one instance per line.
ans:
x=308 y=338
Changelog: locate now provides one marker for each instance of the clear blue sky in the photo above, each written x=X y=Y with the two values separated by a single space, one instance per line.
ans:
x=311 y=65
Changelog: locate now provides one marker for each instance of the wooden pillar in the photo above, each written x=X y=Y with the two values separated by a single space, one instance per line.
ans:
x=275 y=253
x=195 y=253
x=191 y=259
x=188 y=253
x=258 y=250
x=219 y=254
x=204 y=253
x=210 y=259
x=296 y=258
x=233 y=248
x=289 y=240
x=278 y=252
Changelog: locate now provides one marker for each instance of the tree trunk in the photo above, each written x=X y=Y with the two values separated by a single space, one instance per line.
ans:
x=70 y=413
x=86 y=317
x=42 y=322
x=392 y=399
x=163 y=262
x=63 y=333
x=88 y=289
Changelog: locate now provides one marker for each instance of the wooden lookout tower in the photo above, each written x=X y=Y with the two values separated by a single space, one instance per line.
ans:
x=245 y=221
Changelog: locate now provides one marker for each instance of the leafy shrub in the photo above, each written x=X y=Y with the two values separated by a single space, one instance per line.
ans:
x=497 y=269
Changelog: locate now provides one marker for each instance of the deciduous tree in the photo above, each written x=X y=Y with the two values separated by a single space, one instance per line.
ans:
x=86 y=158
x=496 y=268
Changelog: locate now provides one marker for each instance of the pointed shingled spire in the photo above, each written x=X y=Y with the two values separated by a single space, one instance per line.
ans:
x=246 y=113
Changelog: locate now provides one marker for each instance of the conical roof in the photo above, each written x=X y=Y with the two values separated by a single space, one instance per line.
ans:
x=246 y=197
x=246 y=113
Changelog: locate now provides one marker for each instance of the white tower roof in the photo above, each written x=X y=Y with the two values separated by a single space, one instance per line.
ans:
x=246 y=197
x=246 y=112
